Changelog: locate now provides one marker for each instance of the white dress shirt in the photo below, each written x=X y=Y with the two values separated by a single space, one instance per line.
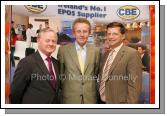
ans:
x=83 y=53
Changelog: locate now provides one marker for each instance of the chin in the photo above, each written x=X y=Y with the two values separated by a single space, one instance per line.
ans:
x=115 y=45
x=49 y=52
x=80 y=43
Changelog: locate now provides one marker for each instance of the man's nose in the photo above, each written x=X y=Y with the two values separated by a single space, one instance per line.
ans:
x=82 y=33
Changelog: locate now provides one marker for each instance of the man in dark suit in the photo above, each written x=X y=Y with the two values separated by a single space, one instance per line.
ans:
x=145 y=96
x=36 y=77
x=121 y=70
x=145 y=57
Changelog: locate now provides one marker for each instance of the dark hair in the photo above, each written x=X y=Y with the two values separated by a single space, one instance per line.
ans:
x=30 y=25
x=81 y=20
x=117 y=24
x=134 y=40
x=12 y=22
x=142 y=46
x=47 y=23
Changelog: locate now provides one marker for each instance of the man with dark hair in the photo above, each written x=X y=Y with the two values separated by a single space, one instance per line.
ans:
x=40 y=28
x=47 y=25
x=29 y=34
x=120 y=69
x=145 y=57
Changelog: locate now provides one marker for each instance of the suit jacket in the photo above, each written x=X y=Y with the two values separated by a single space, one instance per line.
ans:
x=146 y=62
x=78 y=88
x=125 y=75
x=31 y=84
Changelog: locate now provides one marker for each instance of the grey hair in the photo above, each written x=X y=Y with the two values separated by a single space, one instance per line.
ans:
x=46 y=30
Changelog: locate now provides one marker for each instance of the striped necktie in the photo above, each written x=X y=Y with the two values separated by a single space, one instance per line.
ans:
x=105 y=75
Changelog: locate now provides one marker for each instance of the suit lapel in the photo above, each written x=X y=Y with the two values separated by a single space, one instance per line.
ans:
x=41 y=63
x=88 y=56
x=117 y=59
x=104 y=59
x=74 y=56
x=55 y=65
x=42 y=66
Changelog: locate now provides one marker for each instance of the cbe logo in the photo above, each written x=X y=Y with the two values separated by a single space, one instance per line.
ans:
x=36 y=8
x=128 y=12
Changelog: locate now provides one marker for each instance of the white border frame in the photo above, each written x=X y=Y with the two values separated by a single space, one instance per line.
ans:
x=156 y=105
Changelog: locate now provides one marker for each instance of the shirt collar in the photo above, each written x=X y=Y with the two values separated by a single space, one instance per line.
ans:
x=42 y=55
x=118 y=48
x=78 y=47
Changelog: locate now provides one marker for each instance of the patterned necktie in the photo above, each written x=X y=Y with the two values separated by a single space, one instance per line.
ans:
x=105 y=72
x=81 y=60
x=53 y=78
